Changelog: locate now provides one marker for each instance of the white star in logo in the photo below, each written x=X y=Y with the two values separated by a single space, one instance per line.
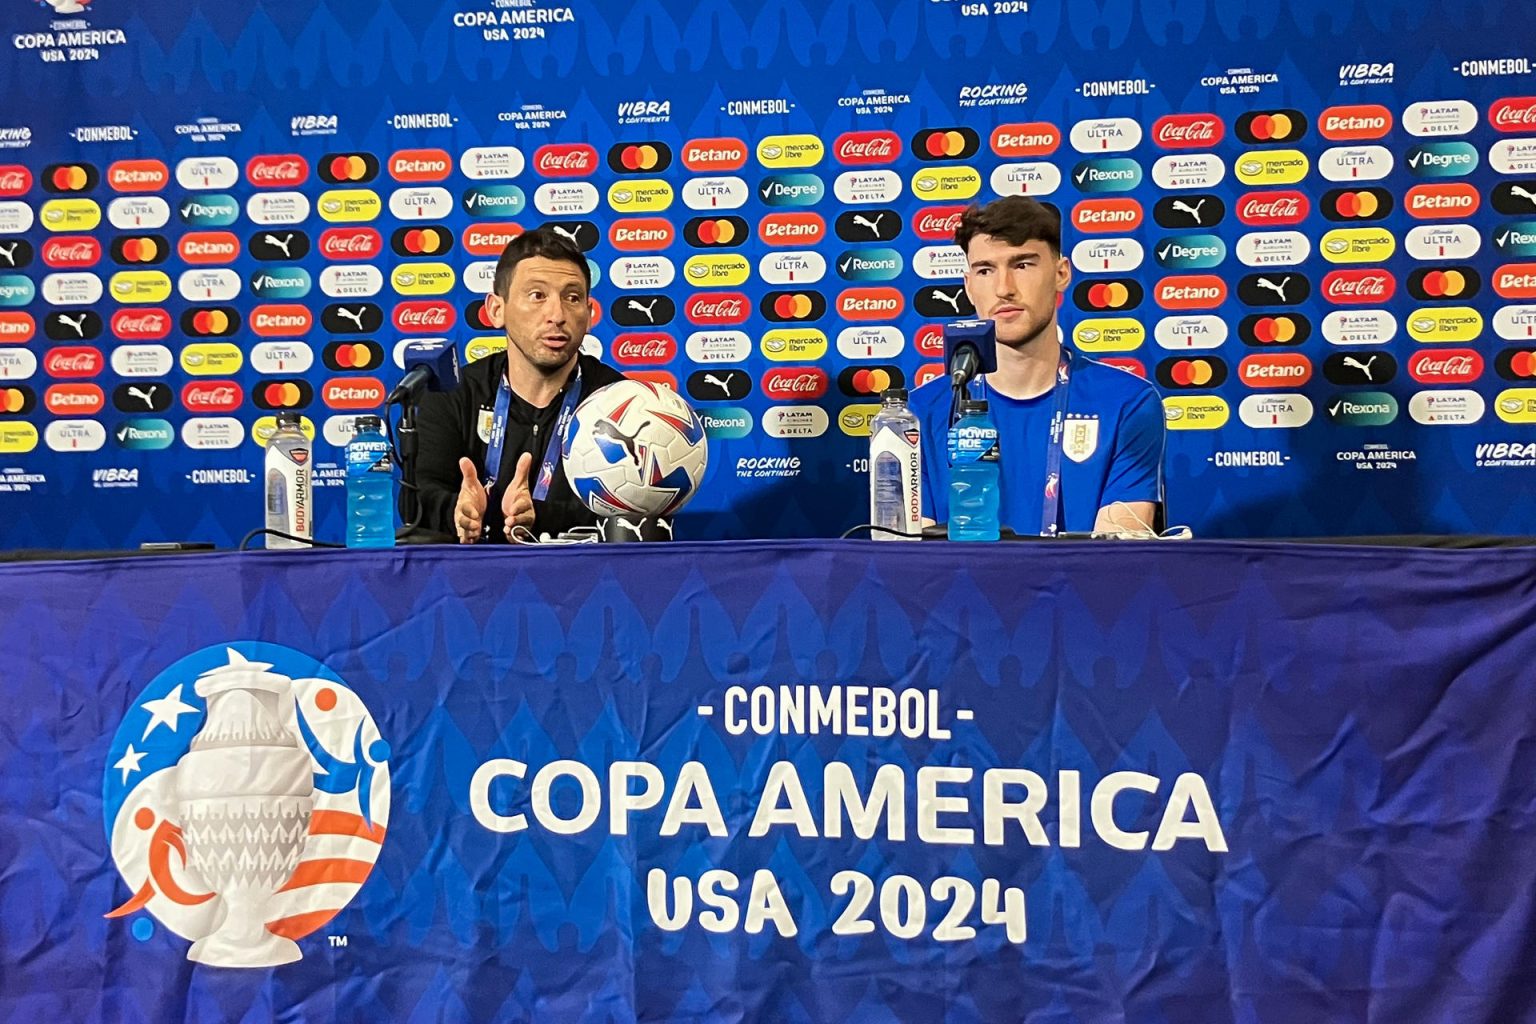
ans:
x=129 y=762
x=165 y=711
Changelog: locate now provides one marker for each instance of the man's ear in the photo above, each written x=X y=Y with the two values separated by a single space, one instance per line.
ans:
x=1063 y=274
x=495 y=310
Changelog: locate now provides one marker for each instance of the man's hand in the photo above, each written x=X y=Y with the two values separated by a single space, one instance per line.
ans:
x=469 y=512
x=517 y=502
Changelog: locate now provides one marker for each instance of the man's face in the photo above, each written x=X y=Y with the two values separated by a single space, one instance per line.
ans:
x=545 y=312
x=1015 y=285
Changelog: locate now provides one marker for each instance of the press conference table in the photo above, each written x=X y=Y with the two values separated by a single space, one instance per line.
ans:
x=778 y=780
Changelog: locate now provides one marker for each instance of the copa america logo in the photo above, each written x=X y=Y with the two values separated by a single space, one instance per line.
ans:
x=67 y=6
x=246 y=801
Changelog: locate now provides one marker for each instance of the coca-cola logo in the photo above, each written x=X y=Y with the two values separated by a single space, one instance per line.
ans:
x=876 y=147
x=73 y=361
x=1358 y=287
x=15 y=180
x=74 y=399
x=351 y=243
x=795 y=383
x=141 y=324
x=713 y=309
x=71 y=251
x=644 y=349
x=212 y=396
x=1446 y=366
x=1272 y=208
x=1513 y=114
x=423 y=317
x=937 y=223
x=286 y=171
x=929 y=340
x=1188 y=131
x=568 y=160
x=353 y=393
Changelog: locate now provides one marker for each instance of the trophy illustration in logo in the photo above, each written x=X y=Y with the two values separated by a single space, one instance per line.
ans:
x=247 y=800
x=246 y=789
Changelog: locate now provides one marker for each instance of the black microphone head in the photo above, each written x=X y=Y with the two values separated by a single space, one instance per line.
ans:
x=978 y=337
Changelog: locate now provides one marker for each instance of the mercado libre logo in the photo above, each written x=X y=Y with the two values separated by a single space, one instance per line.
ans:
x=246 y=801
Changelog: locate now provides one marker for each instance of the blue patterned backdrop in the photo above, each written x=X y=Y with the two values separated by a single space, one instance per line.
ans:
x=1361 y=720
x=175 y=81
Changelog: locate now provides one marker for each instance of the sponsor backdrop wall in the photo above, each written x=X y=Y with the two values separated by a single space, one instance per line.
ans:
x=1313 y=224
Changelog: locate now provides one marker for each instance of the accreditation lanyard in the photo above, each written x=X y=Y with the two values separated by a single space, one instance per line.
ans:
x=1050 y=506
x=498 y=440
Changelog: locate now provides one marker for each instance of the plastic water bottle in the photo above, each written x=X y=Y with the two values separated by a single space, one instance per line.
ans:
x=289 y=494
x=973 y=471
x=895 y=468
x=370 y=488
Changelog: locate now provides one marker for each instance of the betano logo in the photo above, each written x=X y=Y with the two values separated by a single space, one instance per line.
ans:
x=241 y=747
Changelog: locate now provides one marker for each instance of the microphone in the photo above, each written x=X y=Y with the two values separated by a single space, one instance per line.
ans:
x=970 y=347
x=429 y=366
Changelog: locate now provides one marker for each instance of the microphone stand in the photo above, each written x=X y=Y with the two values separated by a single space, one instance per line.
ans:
x=406 y=444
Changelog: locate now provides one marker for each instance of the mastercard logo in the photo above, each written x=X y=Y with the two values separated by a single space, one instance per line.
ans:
x=1444 y=283
x=140 y=249
x=787 y=306
x=16 y=400
x=70 y=177
x=945 y=143
x=283 y=394
x=348 y=168
x=1512 y=364
x=716 y=232
x=857 y=382
x=1108 y=295
x=352 y=355
x=1357 y=204
x=639 y=157
x=1205 y=372
x=1282 y=329
x=218 y=322
x=477 y=318
x=428 y=241
x=1271 y=126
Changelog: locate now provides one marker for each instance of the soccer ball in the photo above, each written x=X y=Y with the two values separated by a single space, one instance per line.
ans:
x=634 y=448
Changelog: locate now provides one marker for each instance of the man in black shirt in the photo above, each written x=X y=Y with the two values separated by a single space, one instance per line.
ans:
x=509 y=407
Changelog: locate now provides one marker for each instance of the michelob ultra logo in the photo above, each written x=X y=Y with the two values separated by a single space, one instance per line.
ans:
x=791 y=190
x=794 y=344
x=70 y=214
x=782 y=151
x=945 y=184
x=1272 y=167
x=1515 y=323
x=1517 y=238
x=140 y=286
x=1109 y=174
x=1195 y=412
x=1443 y=242
x=350 y=205
x=640 y=195
x=727 y=193
x=716 y=270
x=1190 y=252
x=422 y=279
x=211 y=359
x=1358 y=245
x=1275 y=411
x=1109 y=334
x=1032 y=178
x=796 y=266
x=1445 y=324
x=136 y=213
x=1190 y=333
x=1111 y=255
x=1442 y=159
x=282 y=357
x=208 y=172
x=1355 y=163
x=1105 y=135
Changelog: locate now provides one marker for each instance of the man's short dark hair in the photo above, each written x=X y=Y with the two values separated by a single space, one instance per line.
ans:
x=1014 y=219
x=542 y=241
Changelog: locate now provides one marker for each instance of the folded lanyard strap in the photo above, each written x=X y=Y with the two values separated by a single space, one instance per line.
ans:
x=498 y=440
x=1050 y=507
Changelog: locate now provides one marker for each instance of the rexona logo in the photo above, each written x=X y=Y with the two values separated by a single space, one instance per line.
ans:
x=286 y=171
x=709 y=156
x=867 y=148
x=1108 y=295
x=795 y=383
x=1517 y=238
x=1446 y=366
x=1356 y=204
x=348 y=168
x=1188 y=131
x=1264 y=127
x=1111 y=174
x=565 y=160
x=945 y=143
x=1362 y=409
x=418 y=166
x=1280 y=208
x=138 y=176
x=1359 y=287
x=148 y=434
x=1107 y=215
x=1354 y=123
x=1515 y=114
x=1193 y=291
x=1454 y=282
x=726 y=422
x=298 y=784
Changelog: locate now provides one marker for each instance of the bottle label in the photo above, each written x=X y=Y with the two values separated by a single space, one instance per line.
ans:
x=369 y=457
x=971 y=442
x=288 y=474
x=896 y=464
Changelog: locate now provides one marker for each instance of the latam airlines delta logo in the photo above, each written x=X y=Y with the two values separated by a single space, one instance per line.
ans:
x=246 y=801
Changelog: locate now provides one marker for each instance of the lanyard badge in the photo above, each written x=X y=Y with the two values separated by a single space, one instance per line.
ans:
x=498 y=441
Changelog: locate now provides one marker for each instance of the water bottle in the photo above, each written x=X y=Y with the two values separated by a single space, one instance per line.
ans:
x=973 y=471
x=370 y=488
x=895 y=468
x=289 y=494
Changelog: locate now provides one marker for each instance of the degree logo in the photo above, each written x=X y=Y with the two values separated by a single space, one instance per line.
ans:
x=70 y=177
x=1442 y=159
x=1190 y=252
x=348 y=168
x=945 y=143
x=1264 y=127
x=639 y=157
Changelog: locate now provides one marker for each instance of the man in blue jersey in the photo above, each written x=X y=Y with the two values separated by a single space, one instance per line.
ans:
x=1107 y=468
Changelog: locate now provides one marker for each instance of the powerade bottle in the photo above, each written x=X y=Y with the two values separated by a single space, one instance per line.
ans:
x=370 y=487
x=895 y=468
x=973 y=470
x=288 y=487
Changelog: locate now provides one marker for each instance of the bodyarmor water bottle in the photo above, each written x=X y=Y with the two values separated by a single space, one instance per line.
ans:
x=895 y=468
x=288 y=491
